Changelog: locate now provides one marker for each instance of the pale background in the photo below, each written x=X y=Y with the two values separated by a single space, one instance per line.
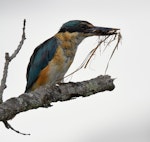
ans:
x=122 y=115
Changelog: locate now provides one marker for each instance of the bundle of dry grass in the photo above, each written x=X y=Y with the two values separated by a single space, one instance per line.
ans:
x=106 y=40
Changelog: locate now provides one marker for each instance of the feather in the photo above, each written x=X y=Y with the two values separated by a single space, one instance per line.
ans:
x=42 y=55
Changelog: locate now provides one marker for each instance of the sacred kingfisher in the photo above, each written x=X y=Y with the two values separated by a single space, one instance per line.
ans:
x=51 y=59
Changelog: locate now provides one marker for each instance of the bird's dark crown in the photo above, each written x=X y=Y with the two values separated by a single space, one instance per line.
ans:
x=75 y=26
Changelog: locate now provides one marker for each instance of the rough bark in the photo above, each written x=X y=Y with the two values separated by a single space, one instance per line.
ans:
x=45 y=95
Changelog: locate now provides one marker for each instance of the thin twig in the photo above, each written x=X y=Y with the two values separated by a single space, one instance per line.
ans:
x=3 y=86
x=8 y=126
x=8 y=59
x=3 y=81
x=21 y=42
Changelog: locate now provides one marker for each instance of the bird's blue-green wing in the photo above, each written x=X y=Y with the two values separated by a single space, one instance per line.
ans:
x=39 y=60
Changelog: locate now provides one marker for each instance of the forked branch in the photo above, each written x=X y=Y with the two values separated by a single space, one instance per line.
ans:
x=3 y=85
x=44 y=96
x=8 y=59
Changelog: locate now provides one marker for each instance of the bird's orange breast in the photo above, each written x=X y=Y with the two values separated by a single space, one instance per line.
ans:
x=55 y=70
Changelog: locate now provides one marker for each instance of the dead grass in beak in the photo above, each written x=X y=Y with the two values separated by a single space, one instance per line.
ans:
x=106 y=40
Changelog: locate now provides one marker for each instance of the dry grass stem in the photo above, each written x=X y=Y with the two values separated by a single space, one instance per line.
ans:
x=106 y=40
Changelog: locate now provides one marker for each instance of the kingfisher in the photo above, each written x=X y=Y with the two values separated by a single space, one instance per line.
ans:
x=51 y=59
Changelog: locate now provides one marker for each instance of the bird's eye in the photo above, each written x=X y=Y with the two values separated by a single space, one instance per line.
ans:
x=84 y=27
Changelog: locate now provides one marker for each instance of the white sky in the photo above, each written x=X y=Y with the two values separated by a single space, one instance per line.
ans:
x=122 y=115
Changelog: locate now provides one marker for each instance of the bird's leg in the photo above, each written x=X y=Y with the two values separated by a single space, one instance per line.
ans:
x=61 y=81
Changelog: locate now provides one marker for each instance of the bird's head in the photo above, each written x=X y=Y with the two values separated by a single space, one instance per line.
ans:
x=86 y=29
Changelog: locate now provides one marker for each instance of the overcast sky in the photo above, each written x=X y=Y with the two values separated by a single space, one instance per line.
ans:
x=122 y=115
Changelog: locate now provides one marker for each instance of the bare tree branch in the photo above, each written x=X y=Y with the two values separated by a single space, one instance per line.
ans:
x=3 y=86
x=42 y=97
x=8 y=59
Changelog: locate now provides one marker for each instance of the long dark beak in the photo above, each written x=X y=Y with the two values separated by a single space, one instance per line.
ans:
x=102 y=31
